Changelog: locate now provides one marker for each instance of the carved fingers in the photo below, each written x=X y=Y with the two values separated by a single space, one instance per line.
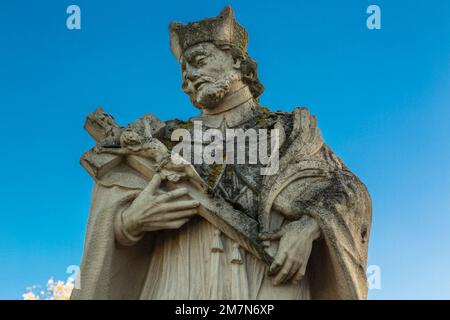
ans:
x=298 y=276
x=143 y=200
x=294 y=250
x=176 y=224
x=289 y=265
x=170 y=220
x=152 y=211
x=285 y=266
x=182 y=214
x=177 y=205
x=166 y=207
x=177 y=193
x=160 y=212
x=277 y=263
x=152 y=186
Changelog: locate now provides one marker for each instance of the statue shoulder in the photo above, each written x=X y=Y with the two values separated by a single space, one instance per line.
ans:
x=296 y=124
x=289 y=118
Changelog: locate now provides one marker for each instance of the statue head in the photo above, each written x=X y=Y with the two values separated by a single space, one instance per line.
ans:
x=214 y=61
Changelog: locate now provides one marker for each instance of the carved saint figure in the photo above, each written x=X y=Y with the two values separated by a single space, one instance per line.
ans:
x=301 y=233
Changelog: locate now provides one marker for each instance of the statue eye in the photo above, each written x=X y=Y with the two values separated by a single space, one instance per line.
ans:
x=199 y=60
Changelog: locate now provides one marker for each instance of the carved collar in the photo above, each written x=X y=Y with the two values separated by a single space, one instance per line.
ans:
x=232 y=114
x=231 y=101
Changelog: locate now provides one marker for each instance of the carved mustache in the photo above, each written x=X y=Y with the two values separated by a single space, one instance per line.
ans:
x=189 y=84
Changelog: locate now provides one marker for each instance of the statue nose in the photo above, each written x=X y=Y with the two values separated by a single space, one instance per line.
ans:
x=187 y=84
x=192 y=76
x=190 y=73
x=189 y=80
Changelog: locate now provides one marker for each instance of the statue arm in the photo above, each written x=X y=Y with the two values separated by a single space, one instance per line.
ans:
x=153 y=210
x=122 y=235
x=296 y=240
x=340 y=207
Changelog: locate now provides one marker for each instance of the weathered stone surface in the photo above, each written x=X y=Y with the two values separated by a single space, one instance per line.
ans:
x=163 y=229
x=98 y=163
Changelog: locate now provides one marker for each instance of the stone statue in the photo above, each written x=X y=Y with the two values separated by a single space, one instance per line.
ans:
x=162 y=228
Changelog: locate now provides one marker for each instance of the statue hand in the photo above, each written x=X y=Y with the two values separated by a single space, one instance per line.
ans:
x=296 y=240
x=151 y=212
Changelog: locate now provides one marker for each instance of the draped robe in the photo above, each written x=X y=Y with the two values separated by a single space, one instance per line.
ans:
x=197 y=261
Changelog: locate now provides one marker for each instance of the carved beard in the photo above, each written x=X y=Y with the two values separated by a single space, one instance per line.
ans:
x=211 y=93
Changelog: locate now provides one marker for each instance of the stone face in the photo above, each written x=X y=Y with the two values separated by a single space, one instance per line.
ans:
x=196 y=230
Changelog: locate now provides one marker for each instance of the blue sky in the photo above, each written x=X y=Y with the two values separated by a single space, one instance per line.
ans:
x=382 y=100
